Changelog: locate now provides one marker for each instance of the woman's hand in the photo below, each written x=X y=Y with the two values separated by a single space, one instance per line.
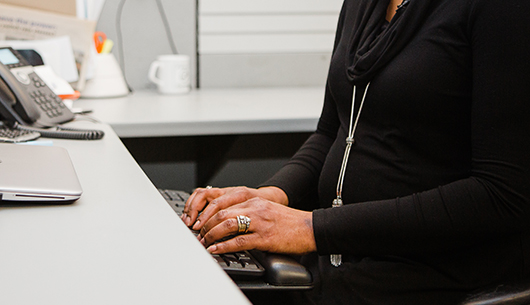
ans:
x=212 y=200
x=273 y=227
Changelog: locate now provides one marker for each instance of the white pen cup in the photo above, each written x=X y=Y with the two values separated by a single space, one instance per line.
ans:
x=171 y=74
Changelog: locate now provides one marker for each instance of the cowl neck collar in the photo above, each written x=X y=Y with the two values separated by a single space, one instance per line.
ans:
x=373 y=44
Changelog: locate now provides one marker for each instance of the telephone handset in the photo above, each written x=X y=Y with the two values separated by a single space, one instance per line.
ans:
x=24 y=97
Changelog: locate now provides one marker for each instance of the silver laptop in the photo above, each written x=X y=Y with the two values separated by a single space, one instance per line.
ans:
x=37 y=174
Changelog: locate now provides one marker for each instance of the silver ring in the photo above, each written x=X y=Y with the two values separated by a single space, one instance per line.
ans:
x=208 y=187
x=243 y=224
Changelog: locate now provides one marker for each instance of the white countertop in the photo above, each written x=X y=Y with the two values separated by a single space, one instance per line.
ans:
x=120 y=243
x=210 y=111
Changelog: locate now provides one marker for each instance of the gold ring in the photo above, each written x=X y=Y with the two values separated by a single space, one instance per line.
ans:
x=243 y=224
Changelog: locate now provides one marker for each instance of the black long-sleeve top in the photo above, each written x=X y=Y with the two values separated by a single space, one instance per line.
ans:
x=440 y=164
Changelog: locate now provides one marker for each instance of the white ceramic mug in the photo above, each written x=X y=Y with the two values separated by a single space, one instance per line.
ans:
x=171 y=73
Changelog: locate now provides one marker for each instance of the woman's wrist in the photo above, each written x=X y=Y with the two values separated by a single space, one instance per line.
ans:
x=309 y=232
x=274 y=194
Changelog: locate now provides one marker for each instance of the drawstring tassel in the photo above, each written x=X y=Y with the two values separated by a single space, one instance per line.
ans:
x=336 y=259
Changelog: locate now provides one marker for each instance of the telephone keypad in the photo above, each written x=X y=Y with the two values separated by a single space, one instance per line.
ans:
x=51 y=104
x=40 y=106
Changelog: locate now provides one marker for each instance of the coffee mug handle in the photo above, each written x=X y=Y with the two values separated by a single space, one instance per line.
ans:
x=152 y=72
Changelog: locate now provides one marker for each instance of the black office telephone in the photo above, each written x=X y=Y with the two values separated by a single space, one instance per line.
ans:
x=24 y=97
x=26 y=102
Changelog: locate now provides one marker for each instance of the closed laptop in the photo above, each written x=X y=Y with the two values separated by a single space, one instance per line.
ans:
x=37 y=174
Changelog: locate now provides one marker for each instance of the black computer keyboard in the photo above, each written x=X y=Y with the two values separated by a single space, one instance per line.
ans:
x=252 y=270
x=11 y=135
x=240 y=265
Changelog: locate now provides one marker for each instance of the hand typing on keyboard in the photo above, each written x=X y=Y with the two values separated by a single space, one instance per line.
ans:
x=211 y=200
x=273 y=226
x=243 y=265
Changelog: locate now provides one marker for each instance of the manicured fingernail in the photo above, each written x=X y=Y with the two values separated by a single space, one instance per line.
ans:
x=203 y=242
x=188 y=221
x=212 y=249
x=196 y=225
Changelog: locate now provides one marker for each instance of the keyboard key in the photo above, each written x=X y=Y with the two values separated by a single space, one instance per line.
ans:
x=239 y=265
x=232 y=261
x=248 y=263
x=220 y=260
x=8 y=134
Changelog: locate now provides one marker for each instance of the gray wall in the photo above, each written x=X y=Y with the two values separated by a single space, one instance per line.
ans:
x=263 y=70
x=144 y=37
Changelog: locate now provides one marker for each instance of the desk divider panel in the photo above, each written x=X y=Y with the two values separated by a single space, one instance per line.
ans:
x=265 y=43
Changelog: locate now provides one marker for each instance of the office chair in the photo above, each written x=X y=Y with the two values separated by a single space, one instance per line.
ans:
x=504 y=294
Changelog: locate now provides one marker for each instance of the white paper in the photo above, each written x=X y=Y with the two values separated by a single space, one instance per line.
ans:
x=55 y=52
x=58 y=85
x=19 y=23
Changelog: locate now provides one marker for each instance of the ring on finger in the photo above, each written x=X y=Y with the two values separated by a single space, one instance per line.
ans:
x=243 y=224
x=208 y=187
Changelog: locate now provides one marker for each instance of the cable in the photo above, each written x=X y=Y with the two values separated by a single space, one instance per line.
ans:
x=197 y=57
x=64 y=132
x=166 y=26
x=120 y=41
x=119 y=13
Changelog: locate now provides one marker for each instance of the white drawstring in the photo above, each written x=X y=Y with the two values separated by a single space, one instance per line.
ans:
x=336 y=259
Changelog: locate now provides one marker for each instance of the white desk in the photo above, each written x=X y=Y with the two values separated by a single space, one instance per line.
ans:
x=210 y=112
x=119 y=244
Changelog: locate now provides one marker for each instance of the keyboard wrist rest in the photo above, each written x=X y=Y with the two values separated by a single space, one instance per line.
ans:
x=283 y=270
